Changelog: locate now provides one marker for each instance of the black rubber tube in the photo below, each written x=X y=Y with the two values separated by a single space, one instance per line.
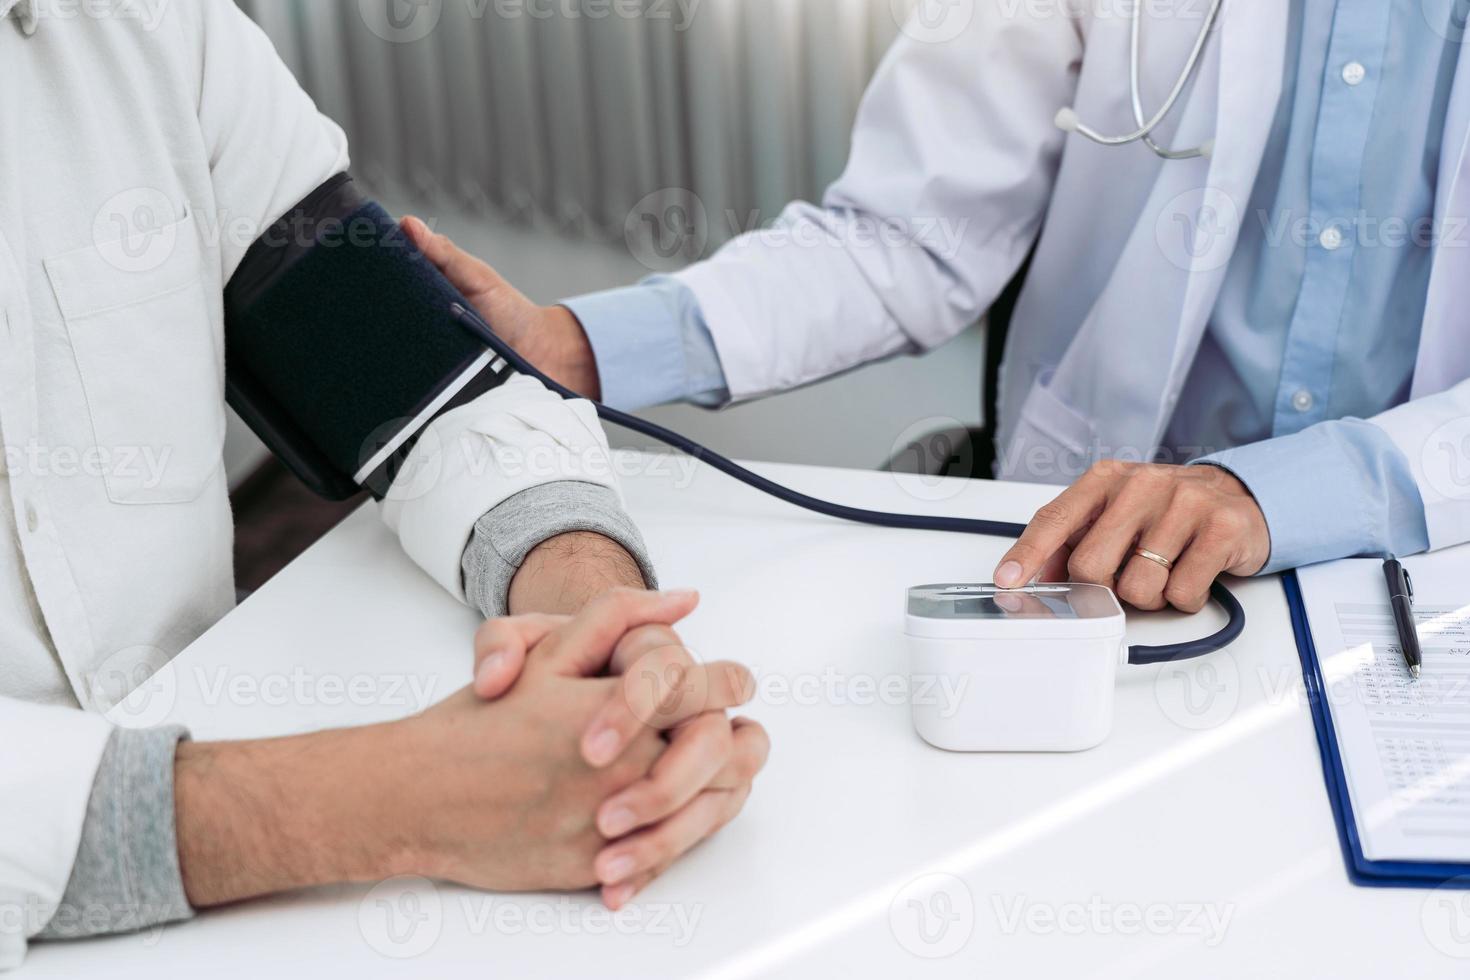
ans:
x=1188 y=650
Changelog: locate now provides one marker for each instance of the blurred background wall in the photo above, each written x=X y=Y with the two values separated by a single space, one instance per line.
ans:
x=584 y=144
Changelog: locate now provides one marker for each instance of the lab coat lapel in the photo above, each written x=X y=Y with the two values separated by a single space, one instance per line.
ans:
x=1127 y=365
x=1252 y=54
x=1444 y=342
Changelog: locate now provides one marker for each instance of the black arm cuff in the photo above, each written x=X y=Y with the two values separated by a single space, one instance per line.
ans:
x=339 y=344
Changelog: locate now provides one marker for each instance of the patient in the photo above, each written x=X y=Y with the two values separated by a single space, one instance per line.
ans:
x=148 y=160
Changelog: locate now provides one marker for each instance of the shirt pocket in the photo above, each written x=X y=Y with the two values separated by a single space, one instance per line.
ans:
x=138 y=320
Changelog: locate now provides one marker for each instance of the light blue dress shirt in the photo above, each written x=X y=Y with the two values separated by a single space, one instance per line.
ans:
x=1317 y=324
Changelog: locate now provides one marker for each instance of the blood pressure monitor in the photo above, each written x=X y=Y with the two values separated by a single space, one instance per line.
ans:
x=1021 y=670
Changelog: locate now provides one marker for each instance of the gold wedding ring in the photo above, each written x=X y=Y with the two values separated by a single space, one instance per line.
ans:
x=1157 y=559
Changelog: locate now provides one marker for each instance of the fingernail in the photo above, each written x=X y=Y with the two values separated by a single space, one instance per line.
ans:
x=603 y=747
x=619 y=896
x=489 y=667
x=618 y=822
x=679 y=593
x=1008 y=576
x=617 y=869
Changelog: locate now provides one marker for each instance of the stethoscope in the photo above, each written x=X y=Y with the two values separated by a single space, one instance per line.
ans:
x=1173 y=652
x=1067 y=120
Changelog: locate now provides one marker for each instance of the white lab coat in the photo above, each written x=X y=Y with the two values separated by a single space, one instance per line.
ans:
x=111 y=336
x=1118 y=298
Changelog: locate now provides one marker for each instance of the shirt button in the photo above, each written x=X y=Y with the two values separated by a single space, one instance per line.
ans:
x=1331 y=238
x=32 y=521
x=1353 y=73
x=1303 y=401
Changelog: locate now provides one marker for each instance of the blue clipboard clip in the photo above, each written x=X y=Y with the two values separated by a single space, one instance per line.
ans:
x=1360 y=870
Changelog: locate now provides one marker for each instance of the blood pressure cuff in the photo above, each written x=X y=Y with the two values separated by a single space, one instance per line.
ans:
x=340 y=348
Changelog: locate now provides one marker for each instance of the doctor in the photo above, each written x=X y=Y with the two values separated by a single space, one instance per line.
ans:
x=1282 y=298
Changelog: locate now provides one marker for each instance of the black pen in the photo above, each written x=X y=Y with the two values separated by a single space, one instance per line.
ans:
x=1401 y=598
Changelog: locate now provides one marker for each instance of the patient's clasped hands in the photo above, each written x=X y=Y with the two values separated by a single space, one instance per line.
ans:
x=611 y=745
x=591 y=751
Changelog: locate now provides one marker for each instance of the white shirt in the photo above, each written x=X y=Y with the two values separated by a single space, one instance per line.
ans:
x=141 y=153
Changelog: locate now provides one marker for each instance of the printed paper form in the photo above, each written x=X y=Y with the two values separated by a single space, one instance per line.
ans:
x=1405 y=745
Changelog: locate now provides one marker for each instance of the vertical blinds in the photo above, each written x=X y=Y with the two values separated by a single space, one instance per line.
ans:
x=573 y=112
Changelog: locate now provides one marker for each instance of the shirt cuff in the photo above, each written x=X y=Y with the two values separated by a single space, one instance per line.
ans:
x=126 y=876
x=1335 y=490
x=652 y=345
x=505 y=536
x=466 y=464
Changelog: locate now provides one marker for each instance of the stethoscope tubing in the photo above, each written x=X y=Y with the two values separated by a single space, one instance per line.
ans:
x=1147 y=127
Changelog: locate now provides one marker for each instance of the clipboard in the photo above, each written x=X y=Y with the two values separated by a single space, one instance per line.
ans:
x=1361 y=871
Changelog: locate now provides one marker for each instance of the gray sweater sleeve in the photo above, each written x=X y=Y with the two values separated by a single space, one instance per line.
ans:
x=126 y=876
x=505 y=536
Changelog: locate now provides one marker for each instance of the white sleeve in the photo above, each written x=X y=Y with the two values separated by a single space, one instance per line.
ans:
x=269 y=146
x=954 y=156
x=43 y=804
x=1433 y=433
x=515 y=438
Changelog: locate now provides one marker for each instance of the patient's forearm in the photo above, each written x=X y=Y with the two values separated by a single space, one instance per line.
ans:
x=255 y=818
x=552 y=548
x=565 y=573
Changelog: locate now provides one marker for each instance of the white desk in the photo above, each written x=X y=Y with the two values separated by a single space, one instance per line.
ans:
x=1207 y=800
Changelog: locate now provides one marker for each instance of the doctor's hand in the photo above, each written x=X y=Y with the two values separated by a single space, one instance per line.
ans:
x=701 y=782
x=548 y=336
x=1197 y=521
